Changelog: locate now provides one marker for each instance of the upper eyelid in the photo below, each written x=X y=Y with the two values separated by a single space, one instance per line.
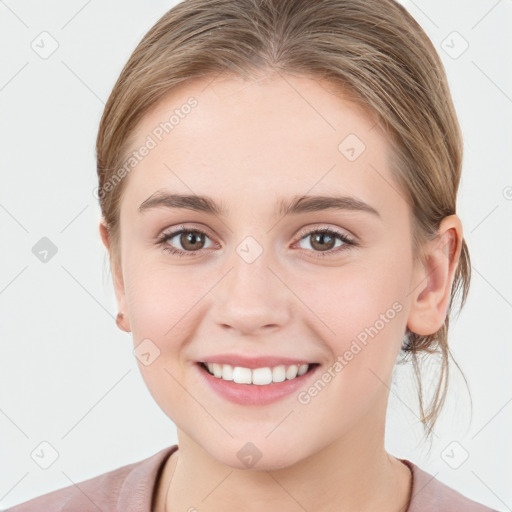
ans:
x=172 y=232
x=336 y=230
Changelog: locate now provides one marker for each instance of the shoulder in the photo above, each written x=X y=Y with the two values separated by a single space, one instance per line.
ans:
x=431 y=495
x=131 y=484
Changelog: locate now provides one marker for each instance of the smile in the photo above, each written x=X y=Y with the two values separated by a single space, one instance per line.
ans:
x=257 y=376
x=256 y=386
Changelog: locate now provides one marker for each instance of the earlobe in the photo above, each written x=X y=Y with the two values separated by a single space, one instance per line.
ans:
x=434 y=278
x=121 y=322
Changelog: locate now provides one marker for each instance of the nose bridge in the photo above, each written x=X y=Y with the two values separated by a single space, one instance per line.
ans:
x=251 y=296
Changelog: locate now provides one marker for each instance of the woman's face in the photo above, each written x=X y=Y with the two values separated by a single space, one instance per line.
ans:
x=260 y=282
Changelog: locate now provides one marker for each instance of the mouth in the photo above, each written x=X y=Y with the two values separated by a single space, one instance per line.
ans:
x=263 y=376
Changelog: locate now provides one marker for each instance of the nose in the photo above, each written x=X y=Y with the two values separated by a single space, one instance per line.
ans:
x=252 y=298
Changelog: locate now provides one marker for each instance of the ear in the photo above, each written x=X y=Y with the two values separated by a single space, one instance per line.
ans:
x=433 y=278
x=122 y=322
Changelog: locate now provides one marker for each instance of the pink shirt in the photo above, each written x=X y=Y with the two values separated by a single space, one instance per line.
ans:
x=131 y=488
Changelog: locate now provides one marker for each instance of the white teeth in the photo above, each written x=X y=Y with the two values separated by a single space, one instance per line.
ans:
x=217 y=370
x=227 y=372
x=257 y=376
x=291 y=371
x=279 y=373
x=262 y=376
x=241 y=375
x=303 y=368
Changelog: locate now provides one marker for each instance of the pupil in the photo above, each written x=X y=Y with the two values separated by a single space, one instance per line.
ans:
x=191 y=239
x=321 y=239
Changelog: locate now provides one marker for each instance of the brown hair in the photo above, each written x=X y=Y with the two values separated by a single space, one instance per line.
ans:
x=373 y=49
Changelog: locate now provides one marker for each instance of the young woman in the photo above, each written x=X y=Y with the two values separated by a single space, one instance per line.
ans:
x=278 y=183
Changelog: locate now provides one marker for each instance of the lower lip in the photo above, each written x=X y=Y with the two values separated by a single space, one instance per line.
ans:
x=252 y=394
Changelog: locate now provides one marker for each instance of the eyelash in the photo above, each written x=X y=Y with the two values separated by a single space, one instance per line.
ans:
x=347 y=241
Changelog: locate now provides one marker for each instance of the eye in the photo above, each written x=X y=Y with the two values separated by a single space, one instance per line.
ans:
x=323 y=241
x=191 y=240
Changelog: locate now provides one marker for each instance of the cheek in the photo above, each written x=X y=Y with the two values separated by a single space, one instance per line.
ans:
x=163 y=308
x=159 y=298
x=361 y=307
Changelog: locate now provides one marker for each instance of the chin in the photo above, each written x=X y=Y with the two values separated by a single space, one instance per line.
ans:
x=259 y=455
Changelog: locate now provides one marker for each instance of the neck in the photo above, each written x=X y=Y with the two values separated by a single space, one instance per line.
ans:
x=354 y=473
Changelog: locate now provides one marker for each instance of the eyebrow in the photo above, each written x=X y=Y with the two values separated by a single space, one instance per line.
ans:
x=294 y=205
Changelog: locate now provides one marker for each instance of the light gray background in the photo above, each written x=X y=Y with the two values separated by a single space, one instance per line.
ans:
x=68 y=375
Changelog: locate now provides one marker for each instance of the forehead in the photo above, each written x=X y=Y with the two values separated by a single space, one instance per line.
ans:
x=263 y=137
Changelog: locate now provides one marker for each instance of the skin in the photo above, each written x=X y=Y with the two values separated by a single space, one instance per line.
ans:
x=247 y=144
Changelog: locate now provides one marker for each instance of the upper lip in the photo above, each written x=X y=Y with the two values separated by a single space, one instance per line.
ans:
x=253 y=362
